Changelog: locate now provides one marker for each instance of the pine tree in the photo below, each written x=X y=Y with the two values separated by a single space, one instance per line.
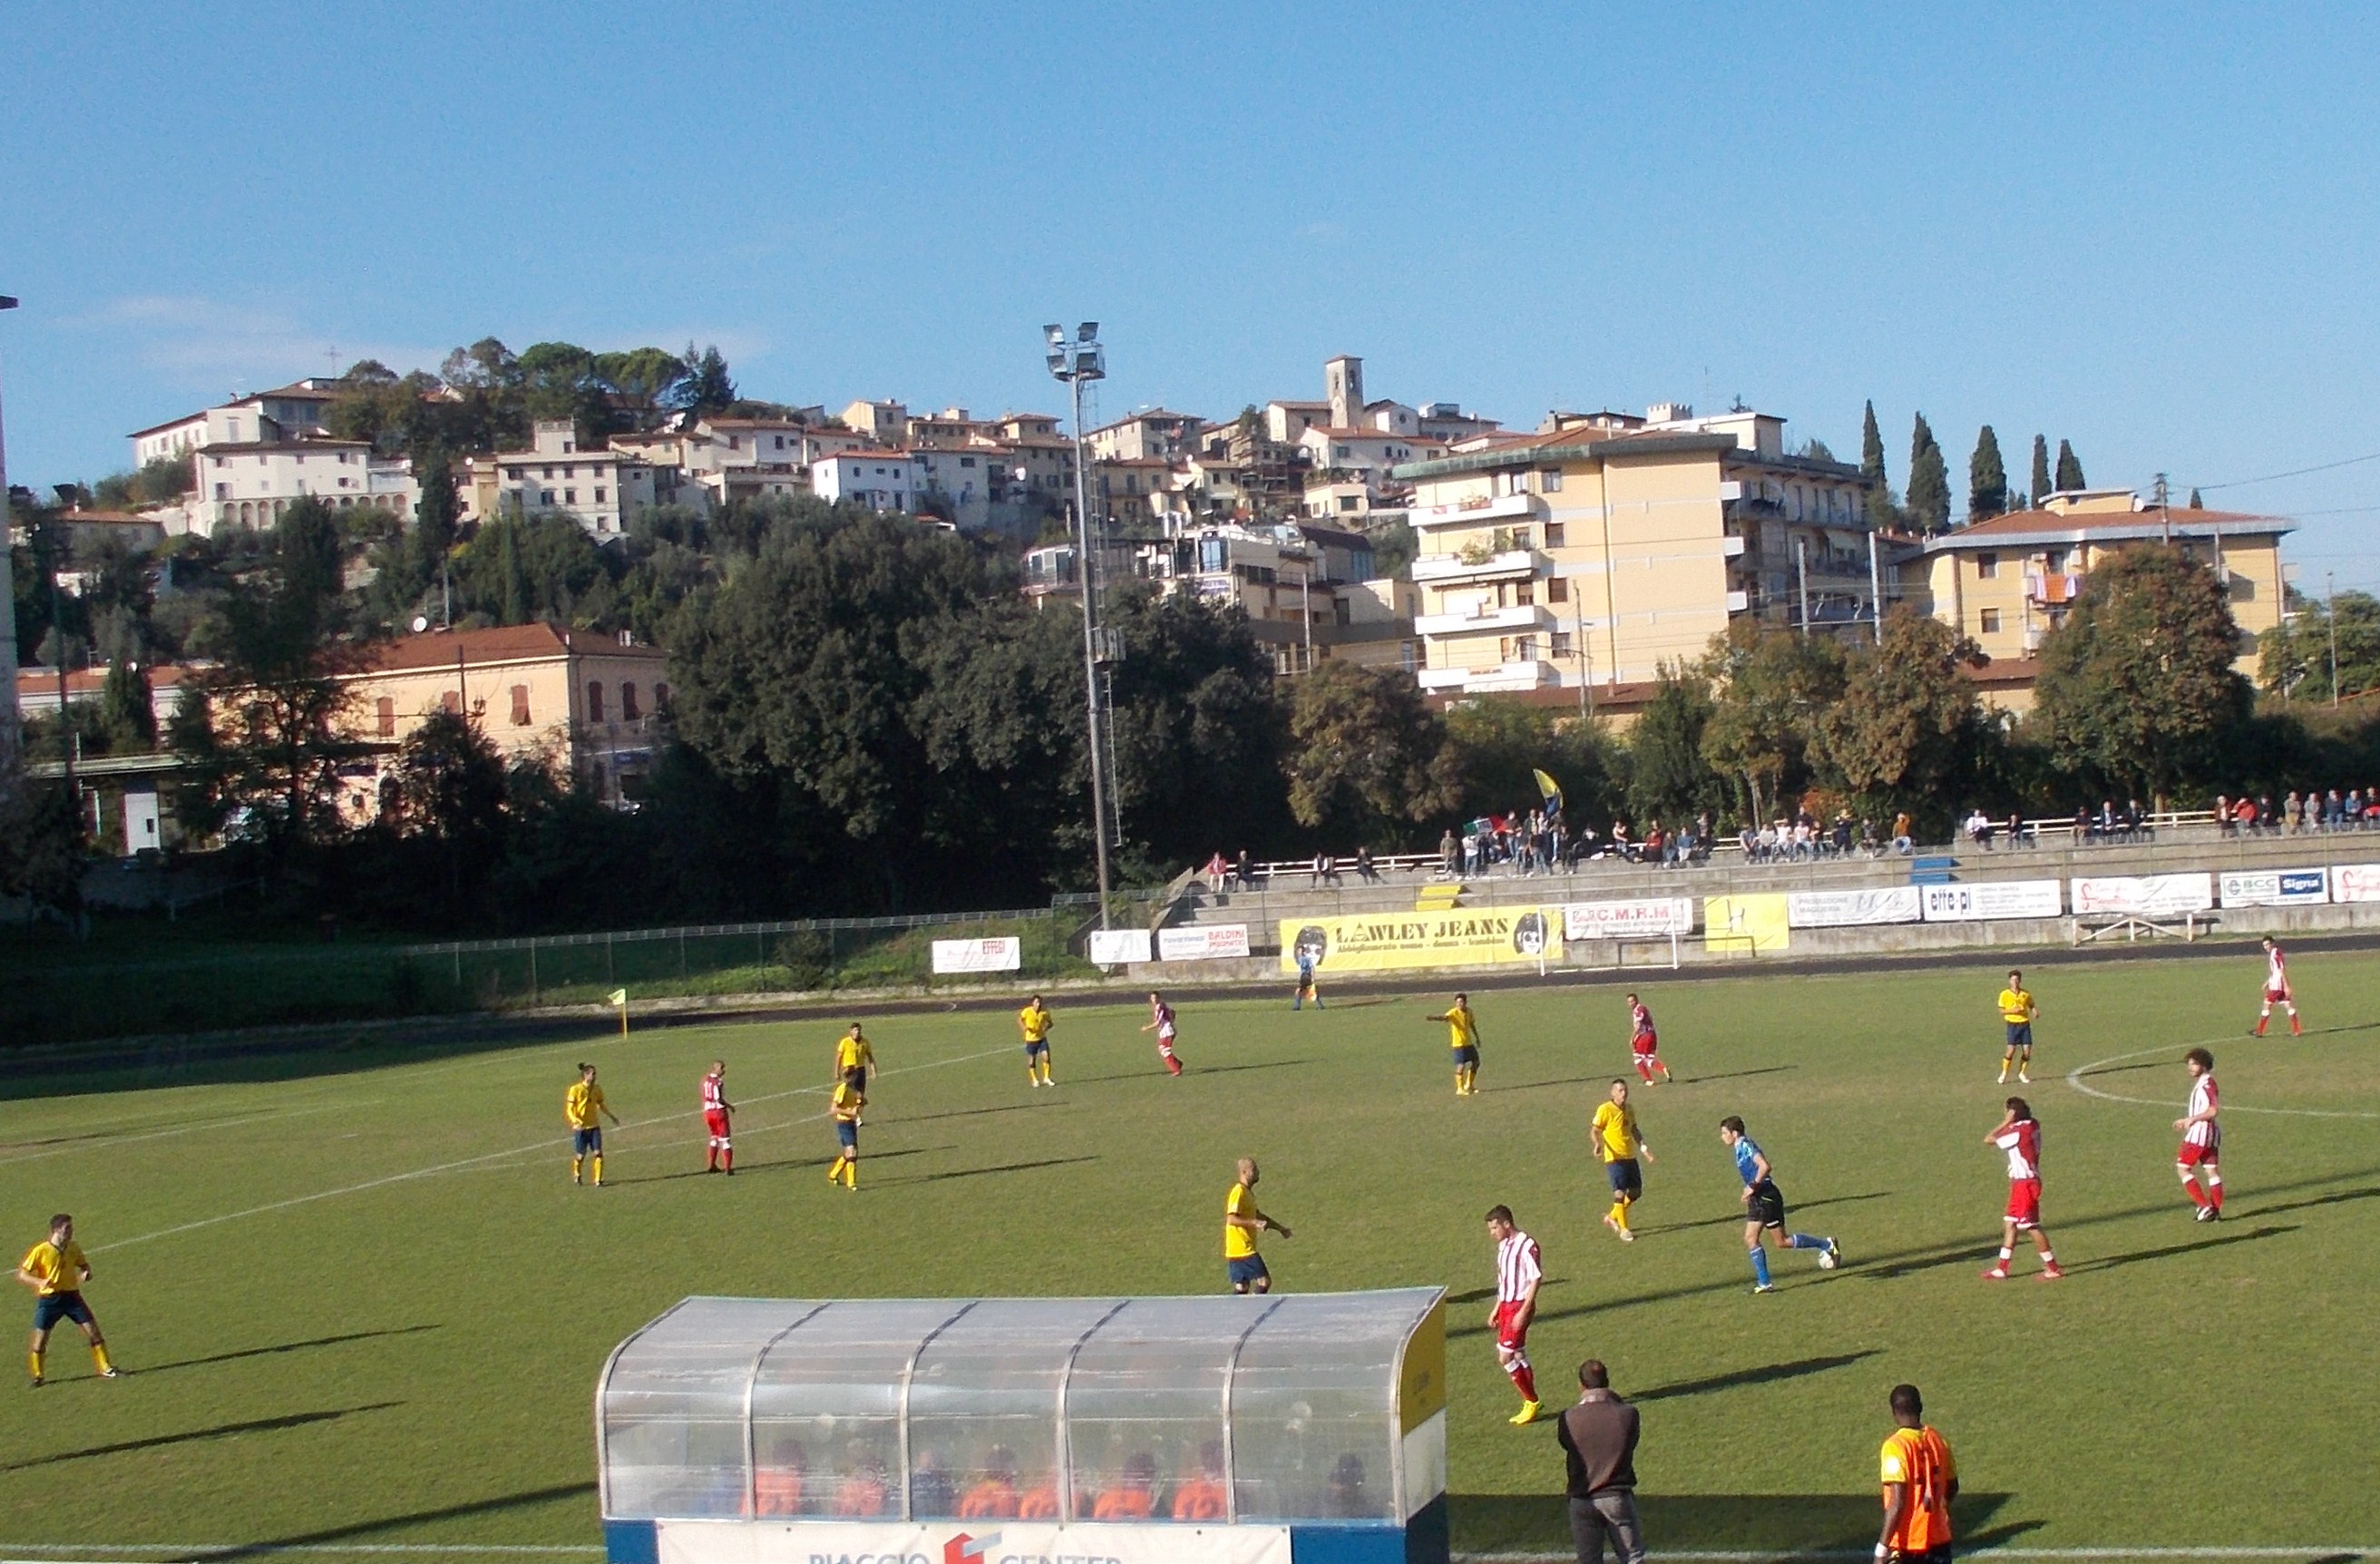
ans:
x=1879 y=490
x=1987 y=478
x=1929 y=481
x=2040 y=470
x=516 y=579
x=2070 y=469
x=2195 y=503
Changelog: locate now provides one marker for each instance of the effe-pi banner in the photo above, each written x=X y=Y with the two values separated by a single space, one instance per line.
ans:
x=1118 y=947
x=1476 y=936
x=1005 y=955
x=1984 y=899
x=2275 y=888
x=2144 y=895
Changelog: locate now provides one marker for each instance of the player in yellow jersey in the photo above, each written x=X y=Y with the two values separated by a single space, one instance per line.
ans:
x=1034 y=1022
x=583 y=1109
x=1241 y=1223
x=55 y=1270
x=855 y=1061
x=845 y=1110
x=1463 y=1036
x=1621 y=1145
x=2016 y=1011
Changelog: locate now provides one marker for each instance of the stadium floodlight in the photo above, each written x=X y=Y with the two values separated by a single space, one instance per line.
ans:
x=1075 y=363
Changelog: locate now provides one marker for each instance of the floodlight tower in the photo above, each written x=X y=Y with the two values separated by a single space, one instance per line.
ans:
x=1075 y=361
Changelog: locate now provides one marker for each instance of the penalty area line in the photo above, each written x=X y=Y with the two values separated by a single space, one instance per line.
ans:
x=460 y=1162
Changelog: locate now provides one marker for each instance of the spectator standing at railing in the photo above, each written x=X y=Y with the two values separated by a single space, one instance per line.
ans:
x=1450 y=853
x=1247 y=872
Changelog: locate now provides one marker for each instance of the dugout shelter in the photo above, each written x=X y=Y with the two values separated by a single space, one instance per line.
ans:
x=1283 y=1429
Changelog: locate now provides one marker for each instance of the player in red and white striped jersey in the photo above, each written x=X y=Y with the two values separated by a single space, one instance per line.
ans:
x=1519 y=1268
x=2019 y=1135
x=1161 y=1021
x=715 y=1109
x=2202 y=1137
x=2277 y=990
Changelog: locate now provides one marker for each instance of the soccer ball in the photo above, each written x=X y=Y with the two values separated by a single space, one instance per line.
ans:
x=1825 y=1259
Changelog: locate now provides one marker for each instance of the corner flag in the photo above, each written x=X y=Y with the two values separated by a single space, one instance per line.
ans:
x=620 y=996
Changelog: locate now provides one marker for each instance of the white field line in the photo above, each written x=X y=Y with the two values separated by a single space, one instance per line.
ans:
x=2074 y=1078
x=547 y=1144
x=109 y=1143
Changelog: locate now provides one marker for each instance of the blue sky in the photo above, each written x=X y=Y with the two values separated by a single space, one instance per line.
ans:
x=2152 y=231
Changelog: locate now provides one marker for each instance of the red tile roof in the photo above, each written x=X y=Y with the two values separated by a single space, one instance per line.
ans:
x=504 y=643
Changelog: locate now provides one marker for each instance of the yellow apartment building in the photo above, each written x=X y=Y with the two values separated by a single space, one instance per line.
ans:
x=1588 y=554
x=2008 y=581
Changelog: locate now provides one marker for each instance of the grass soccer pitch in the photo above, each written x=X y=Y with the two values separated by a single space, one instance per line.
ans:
x=362 y=1309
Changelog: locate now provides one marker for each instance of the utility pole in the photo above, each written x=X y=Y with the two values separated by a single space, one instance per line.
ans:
x=1875 y=587
x=1075 y=363
x=1801 y=571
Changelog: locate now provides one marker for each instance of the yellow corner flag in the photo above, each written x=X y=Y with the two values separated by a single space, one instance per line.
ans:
x=620 y=997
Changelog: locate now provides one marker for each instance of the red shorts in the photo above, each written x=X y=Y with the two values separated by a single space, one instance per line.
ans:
x=1511 y=1333
x=2193 y=1154
x=2024 y=1202
x=1645 y=1043
x=2277 y=996
x=715 y=1120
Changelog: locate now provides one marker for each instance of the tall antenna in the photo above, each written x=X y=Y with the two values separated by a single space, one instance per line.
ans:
x=332 y=355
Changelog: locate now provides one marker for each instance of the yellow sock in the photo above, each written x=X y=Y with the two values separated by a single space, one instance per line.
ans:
x=576 y=1164
x=595 y=1167
x=1620 y=1206
x=99 y=1356
x=851 y=1174
x=34 y=1359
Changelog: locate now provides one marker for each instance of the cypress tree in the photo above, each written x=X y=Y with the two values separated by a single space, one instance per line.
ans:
x=2040 y=470
x=1987 y=478
x=2070 y=467
x=2195 y=503
x=516 y=579
x=1879 y=491
x=1929 y=481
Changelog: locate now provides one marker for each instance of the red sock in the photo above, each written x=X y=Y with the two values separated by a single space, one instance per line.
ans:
x=1172 y=1065
x=1647 y=1071
x=727 y=1159
x=711 y=1159
x=2196 y=1198
x=2261 y=1023
x=2295 y=1030
x=1525 y=1379
x=2214 y=1195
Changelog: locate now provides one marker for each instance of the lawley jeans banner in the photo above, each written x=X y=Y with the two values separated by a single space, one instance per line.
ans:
x=1386 y=941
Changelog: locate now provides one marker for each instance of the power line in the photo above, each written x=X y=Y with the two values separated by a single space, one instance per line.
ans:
x=2294 y=473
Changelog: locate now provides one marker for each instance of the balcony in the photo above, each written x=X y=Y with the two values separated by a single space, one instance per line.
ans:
x=1520 y=620
x=1447 y=569
x=1533 y=674
x=2053 y=588
x=1472 y=513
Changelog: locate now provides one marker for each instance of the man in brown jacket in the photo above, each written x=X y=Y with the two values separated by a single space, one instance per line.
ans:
x=1598 y=1441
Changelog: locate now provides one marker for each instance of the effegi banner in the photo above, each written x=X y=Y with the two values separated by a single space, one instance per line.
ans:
x=1202 y=941
x=1117 y=948
x=1844 y=908
x=965 y=1542
x=1383 y=941
x=2355 y=882
x=1758 y=922
x=2275 y=888
x=1006 y=954
x=1987 y=900
x=1629 y=919
x=2143 y=896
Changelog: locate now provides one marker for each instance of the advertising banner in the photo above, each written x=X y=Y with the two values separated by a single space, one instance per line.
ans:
x=1202 y=941
x=2275 y=888
x=2144 y=895
x=1994 y=899
x=1629 y=919
x=1844 y=908
x=1117 y=948
x=979 y=954
x=2355 y=882
x=963 y=1542
x=1384 y=941
x=1758 y=922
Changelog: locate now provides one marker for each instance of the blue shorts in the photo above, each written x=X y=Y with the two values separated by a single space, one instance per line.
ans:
x=1466 y=1058
x=1626 y=1177
x=1040 y=1046
x=2019 y=1034
x=1248 y=1272
x=48 y=1311
x=847 y=1133
x=586 y=1142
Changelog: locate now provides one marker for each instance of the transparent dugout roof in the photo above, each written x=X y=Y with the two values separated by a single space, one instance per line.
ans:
x=1197 y=1410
